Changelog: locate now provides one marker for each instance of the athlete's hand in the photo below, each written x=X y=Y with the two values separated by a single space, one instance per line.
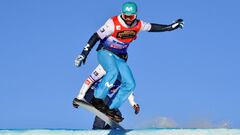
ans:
x=81 y=59
x=74 y=103
x=136 y=107
x=179 y=23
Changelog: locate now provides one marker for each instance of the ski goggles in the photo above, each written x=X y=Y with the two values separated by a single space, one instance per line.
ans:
x=129 y=17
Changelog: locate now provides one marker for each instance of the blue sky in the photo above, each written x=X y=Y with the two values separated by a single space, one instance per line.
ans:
x=189 y=77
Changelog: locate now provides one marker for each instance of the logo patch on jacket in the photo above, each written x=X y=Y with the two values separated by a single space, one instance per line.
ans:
x=118 y=27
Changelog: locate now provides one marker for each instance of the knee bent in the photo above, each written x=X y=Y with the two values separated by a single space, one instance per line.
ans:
x=130 y=85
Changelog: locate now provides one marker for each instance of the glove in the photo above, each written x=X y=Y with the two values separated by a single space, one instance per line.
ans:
x=74 y=103
x=136 y=107
x=178 y=24
x=81 y=59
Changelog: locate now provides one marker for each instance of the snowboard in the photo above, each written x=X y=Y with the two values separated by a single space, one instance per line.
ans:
x=101 y=115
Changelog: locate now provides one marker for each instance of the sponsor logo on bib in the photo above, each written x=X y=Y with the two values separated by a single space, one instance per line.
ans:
x=126 y=34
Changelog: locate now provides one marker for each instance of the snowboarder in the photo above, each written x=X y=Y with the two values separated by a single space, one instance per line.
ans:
x=115 y=36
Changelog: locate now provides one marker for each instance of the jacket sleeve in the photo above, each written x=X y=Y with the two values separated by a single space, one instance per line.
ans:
x=160 y=27
x=153 y=27
x=90 y=44
x=131 y=99
x=104 y=31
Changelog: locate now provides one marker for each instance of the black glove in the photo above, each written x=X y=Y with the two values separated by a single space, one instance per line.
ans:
x=178 y=24
x=74 y=103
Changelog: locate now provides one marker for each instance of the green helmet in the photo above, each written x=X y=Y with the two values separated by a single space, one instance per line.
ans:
x=129 y=8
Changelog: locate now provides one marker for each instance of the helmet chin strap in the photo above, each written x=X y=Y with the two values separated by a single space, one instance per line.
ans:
x=126 y=21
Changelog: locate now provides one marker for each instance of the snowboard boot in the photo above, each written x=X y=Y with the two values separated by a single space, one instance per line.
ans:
x=99 y=104
x=112 y=113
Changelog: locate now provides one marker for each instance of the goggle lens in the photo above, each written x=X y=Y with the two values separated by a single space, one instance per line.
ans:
x=129 y=17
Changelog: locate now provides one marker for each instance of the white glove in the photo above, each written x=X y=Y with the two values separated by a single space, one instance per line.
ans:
x=178 y=24
x=81 y=59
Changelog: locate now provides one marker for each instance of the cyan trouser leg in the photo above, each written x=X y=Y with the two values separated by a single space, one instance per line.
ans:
x=127 y=86
x=108 y=62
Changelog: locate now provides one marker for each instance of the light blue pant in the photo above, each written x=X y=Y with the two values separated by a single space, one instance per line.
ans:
x=114 y=66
